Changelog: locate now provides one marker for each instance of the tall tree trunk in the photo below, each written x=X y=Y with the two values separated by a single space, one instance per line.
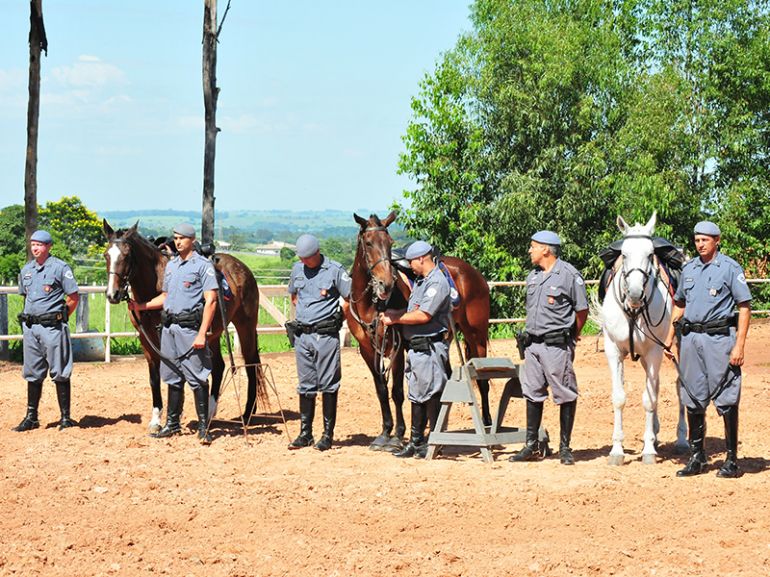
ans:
x=210 y=95
x=37 y=44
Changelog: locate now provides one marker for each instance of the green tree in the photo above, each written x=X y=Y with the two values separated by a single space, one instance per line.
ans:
x=13 y=252
x=72 y=225
x=562 y=114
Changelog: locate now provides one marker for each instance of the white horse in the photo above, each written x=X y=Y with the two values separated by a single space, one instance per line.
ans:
x=636 y=316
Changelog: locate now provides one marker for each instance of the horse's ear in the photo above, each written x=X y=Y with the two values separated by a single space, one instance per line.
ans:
x=622 y=224
x=361 y=221
x=108 y=231
x=390 y=218
x=132 y=230
x=650 y=226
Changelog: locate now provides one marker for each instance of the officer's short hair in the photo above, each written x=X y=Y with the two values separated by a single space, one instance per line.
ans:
x=555 y=249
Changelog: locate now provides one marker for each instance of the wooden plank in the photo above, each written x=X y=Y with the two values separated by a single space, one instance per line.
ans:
x=268 y=305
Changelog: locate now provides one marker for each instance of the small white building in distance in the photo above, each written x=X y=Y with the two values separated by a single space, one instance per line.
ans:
x=273 y=248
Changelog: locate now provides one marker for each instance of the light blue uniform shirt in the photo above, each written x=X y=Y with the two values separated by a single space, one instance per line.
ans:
x=431 y=295
x=711 y=291
x=185 y=281
x=554 y=297
x=46 y=285
x=318 y=290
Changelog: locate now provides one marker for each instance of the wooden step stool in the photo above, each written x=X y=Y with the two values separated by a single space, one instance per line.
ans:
x=461 y=388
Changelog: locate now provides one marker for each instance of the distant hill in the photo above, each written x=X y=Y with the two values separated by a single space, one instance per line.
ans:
x=282 y=224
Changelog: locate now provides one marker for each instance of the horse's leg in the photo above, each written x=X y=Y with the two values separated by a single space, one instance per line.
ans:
x=247 y=334
x=157 y=397
x=681 y=447
x=615 y=362
x=381 y=441
x=651 y=364
x=217 y=370
x=397 y=374
x=475 y=348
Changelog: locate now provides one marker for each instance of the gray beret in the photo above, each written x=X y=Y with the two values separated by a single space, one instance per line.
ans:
x=42 y=236
x=418 y=249
x=185 y=229
x=708 y=228
x=547 y=237
x=307 y=246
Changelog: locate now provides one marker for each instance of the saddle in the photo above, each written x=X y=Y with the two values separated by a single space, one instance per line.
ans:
x=669 y=259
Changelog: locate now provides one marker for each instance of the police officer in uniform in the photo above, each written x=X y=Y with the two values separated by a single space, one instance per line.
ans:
x=557 y=309
x=712 y=344
x=316 y=285
x=189 y=301
x=426 y=323
x=50 y=296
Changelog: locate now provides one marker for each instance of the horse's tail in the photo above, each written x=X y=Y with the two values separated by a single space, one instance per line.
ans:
x=595 y=310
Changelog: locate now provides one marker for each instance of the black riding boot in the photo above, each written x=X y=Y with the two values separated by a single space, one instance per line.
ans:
x=330 y=418
x=696 y=424
x=416 y=447
x=531 y=450
x=729 y=469
x=29 y=422
x=202 y=410
x=173 y=413
x=306 y=415
x=63 y=395
x=566 y=420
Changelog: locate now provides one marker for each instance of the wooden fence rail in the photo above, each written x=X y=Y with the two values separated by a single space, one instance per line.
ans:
x=266 y=295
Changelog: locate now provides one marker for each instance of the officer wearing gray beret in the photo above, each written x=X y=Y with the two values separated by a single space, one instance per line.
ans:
x=316 y=284
x=189 y=301
x=557 y=309
x=425 y=325
x=711 y=344
x=50 y=296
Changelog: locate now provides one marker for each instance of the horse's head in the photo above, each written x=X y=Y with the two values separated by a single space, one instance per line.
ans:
x=374 y=244
x=118 y=257
x=638 y=267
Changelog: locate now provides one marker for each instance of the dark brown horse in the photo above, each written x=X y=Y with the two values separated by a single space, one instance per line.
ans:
x=134 y=261
x=376 y=286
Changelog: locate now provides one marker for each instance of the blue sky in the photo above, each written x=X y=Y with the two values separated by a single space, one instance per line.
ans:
x=315 y=97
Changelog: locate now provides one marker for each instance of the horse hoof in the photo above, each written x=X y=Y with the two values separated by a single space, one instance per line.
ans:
x=616 y=460
x=380 y=444
x=649 y=459
x=154 y=429
x=681 y=449
x=394 y=444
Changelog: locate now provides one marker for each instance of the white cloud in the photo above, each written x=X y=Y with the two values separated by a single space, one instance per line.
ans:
x=89 y=71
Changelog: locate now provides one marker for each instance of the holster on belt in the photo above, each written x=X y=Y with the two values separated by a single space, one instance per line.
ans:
x=53 y=319
x=292 y=328
x=189 y=319
x=424 y=344
x=522 y=342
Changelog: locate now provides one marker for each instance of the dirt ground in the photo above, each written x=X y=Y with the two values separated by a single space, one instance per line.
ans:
x=105 y=499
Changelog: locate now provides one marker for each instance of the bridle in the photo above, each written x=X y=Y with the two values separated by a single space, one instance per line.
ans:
x=391 y=338
x=122 y=280
x=643 y=311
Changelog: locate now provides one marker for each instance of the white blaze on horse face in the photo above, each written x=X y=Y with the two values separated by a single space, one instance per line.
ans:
x=114 y=253
x=637 y=266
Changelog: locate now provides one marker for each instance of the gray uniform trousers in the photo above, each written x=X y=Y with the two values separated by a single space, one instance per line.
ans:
x=549 y=366
x=319 y=367
x=704 y=361
x=426 y=373
x=47 y=349
x=195 y=364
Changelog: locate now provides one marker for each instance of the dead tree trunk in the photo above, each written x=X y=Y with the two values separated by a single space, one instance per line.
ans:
x=37 y=43
x=210 y=95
